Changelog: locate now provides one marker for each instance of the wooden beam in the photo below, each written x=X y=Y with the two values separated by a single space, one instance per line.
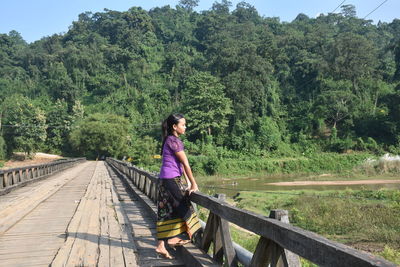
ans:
x=304 y=243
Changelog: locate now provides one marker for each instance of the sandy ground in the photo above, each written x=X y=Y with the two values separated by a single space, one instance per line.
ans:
x=19 y=160
x=360 y=182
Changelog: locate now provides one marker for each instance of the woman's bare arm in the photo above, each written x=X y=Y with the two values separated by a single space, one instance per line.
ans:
x=186 y=177
x=183 y=159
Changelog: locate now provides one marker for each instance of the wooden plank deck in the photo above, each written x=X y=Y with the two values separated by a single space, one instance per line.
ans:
x=95 y=235
x=32 y=224
x=142 y=223
x=83 y=216
x=71 y=219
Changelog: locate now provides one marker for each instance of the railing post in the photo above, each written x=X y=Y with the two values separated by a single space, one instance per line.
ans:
x=217 y=231
x=270 y=253
x=2 y=181
x=156 y=190
x=130 y=174
x=283 y=216
x=135 y=178
x=24 y=174
x=8 y=178
x=14 y=178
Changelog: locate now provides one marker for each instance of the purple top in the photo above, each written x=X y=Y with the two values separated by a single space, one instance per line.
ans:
x=171 y=166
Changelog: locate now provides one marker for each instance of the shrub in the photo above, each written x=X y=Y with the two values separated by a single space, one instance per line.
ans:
x=211 y=166
x=143 y=150
x=2 y=148
x=100 y=135
x=197 y=163
x=340 y=145
x=391 y=254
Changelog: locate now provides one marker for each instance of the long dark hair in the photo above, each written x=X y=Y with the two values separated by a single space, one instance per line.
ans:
x=167 y=126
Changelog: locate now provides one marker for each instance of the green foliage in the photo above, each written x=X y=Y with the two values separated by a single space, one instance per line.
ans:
x=211 y=165
x=217 y=160
x=268 y=133
x=59 y=125
x=3 y=148
x=341 y=145
x=391 y=254
x=100 y=135
x=143 y=150
x=336 y=101
x=26 y=124
x=205 y=105
x=245 y=82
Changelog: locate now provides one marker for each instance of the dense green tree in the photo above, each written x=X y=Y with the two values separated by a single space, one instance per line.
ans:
x=143 y=150
x=59 y=123
x=284 y=81
x=24 y=125
x=268 y=134
x=352 y=57
x=100 y=135
x=336 y=102
x=60 y=83
x=397 y=60
x=189 y=4
x=205 y=105
x=3 y=148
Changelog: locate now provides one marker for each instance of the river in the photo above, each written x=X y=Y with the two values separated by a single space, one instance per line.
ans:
x=231 y=187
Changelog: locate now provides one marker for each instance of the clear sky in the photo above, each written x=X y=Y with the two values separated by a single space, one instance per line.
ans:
x=34 y=19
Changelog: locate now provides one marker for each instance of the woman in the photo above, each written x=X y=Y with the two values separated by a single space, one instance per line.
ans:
x=175 y=213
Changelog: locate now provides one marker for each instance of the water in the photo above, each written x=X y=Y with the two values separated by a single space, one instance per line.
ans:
x=231 y=187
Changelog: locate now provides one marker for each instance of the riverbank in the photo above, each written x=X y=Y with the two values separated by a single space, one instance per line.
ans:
x=364 y=201
x=358 y=182
x=360 y=191
x=252 y=165
x=368 y=220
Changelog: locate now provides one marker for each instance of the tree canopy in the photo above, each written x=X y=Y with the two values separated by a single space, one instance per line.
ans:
x=249 y=82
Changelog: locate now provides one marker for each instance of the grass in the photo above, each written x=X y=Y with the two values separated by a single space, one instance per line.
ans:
x=385 y=164
x=364 y=219
x=343 y=165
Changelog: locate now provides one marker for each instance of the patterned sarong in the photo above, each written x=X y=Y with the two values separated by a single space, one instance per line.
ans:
x=175 y=214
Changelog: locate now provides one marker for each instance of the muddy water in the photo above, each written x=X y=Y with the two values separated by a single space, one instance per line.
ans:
x=231 y=187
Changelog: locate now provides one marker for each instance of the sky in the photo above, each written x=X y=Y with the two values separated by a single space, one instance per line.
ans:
x=35 y=19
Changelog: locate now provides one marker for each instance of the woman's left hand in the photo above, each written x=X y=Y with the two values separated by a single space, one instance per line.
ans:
x=193 y=188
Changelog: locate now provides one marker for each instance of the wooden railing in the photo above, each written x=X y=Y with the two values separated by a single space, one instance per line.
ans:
x=13 y=178
x=278 y=240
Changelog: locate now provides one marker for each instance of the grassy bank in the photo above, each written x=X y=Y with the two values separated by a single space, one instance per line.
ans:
x=368 y=220
x=246 y=165
x=365 y=219
x=236 y=163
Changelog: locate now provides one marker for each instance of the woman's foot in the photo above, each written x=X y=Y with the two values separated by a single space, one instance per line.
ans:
x=162 y=251
x=176 y=242
x=165 y=254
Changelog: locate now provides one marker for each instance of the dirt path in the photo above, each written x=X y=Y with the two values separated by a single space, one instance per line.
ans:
x=19 y=160
x=357 y=182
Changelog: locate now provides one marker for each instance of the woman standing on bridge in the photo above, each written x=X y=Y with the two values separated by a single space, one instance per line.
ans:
x=175 y=214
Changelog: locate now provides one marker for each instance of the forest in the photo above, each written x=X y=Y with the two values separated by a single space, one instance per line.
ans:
x=247 y=84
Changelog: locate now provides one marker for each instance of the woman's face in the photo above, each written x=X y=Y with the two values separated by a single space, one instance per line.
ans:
x=180 y=127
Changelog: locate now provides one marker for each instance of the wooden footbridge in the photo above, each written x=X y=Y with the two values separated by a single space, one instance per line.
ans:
x=95 y=213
